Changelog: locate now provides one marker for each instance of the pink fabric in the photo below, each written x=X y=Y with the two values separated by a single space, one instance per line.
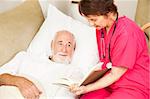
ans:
x=128 y=49
x=98 y=94
x=119 y=94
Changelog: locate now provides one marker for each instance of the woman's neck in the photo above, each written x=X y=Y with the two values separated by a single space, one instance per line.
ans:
x=111 y=19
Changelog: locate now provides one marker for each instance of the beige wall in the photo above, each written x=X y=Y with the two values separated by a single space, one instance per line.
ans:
x=9 y=4
x=143 y=12
x=18 y=27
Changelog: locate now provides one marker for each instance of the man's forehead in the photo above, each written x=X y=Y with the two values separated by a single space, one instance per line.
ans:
x=64 y=34
x=62 y=41
x=64 y=37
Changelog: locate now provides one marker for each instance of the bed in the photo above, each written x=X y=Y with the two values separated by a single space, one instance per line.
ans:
x=18 y=29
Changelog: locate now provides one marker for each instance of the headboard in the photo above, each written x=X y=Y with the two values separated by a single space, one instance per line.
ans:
x=18 y=26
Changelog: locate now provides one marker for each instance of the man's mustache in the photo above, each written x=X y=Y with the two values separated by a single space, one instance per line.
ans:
x=61 y=53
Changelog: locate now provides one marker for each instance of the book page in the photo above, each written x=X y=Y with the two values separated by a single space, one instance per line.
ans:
x=64 y=81
x=73 y=75
x=90 y=77
x=93 y=76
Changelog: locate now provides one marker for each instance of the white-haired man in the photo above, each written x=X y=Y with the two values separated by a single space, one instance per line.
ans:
x=63 y=47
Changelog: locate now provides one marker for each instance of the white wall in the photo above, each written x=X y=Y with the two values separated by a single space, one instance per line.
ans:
x=127 y=7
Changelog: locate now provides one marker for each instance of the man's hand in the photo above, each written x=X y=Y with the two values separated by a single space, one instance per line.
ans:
x=27 y=88
x=77 y=90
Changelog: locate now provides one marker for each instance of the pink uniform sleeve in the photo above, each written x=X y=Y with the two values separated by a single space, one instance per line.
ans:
x=123 y=50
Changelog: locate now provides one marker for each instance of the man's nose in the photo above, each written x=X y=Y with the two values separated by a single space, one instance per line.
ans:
x=64 y=49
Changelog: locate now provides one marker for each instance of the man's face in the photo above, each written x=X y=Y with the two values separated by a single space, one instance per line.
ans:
x=63 y=47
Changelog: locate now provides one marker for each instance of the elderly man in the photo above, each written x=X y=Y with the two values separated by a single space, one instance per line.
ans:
x=63 y=46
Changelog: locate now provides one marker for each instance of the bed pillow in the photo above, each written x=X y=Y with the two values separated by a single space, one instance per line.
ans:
x=85 y=55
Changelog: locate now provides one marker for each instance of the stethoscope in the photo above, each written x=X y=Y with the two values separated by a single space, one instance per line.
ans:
x=102 y=47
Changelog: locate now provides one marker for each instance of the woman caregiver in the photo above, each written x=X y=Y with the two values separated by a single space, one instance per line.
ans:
x=122 y=43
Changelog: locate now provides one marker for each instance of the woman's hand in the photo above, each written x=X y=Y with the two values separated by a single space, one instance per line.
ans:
x=105 y=81
x=77 y=90
x=27 y=88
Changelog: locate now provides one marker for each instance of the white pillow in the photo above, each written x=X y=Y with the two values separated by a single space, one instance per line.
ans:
x=86 y=54
x=44 y=7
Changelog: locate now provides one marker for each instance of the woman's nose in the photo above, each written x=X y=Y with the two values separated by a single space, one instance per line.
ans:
x=91 y=23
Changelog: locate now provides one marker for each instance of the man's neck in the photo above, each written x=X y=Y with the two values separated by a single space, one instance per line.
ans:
x=53 y=60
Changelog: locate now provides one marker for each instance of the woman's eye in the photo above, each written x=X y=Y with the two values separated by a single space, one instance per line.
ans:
x=93 y=20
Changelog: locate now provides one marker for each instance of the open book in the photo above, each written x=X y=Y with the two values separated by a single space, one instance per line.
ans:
x=92 y=76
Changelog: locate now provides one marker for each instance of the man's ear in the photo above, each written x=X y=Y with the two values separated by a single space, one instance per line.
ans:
x=74 y=46
x=52 y=45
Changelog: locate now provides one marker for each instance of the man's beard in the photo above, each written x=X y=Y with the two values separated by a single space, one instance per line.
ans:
x=58 y=57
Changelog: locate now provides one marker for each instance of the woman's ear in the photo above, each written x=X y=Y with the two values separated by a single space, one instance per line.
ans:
x=111 y=15
x=82 y=15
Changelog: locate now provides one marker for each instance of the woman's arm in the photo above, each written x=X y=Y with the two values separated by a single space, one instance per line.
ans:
x=113 y=76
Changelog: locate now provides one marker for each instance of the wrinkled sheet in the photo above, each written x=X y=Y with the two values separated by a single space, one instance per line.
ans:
x=42 y=72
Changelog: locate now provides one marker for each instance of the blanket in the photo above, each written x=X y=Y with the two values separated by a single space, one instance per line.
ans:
x=43 y=73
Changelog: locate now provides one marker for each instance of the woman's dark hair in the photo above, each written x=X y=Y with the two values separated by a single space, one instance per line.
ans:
x=97 y=7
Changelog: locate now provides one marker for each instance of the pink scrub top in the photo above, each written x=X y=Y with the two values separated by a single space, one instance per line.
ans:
x=128 y=49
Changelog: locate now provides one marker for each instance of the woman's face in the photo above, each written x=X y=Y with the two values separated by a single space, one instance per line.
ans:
x=98 y=22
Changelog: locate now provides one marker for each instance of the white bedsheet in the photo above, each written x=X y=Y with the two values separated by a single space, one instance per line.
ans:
x=43 y=72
